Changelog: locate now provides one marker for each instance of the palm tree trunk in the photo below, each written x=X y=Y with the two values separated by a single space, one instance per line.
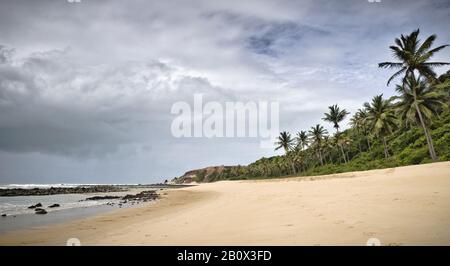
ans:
x=290 y=160
x=386 y=153
x=427 y=135
x=343 y=153
x=293 y=167
x=320 y=157
x=340 y=146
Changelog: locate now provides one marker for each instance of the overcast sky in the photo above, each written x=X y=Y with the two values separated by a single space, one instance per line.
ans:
x=86 y=88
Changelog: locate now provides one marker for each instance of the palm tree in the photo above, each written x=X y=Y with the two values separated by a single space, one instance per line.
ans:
x=356 y=124
x=382 y=120
x=359 y=123
x=335 y=116
x=363 y=116
x=317 y=133
x=302 y=139
x=413 y=56
x=418 y=104
x=327 y=146
x=286 y=142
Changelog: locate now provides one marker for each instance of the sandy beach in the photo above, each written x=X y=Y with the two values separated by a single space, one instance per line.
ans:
x=399 y=206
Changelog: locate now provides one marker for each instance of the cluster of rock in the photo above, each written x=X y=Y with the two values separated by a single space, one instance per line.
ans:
x=39 y=210
x=58 y=190
x=140 y=197
x=132 y=199
x=103 y=197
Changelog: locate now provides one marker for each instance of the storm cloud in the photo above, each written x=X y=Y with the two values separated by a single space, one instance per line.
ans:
x=86 y=88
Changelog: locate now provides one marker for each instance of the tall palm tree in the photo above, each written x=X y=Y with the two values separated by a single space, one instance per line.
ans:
x=413 y=56
x=363 y=116
x=382 y=120
x=286 y=142
x=335 y=116
x=328 y=146
x=301 y=139
x=359 y=123
x=317 y=133
x=356 y=124
x=418 y=104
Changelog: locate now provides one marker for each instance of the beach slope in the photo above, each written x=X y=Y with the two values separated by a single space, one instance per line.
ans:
x=398 y=206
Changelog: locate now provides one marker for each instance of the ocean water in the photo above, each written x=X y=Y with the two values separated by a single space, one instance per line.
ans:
x=19 y=205
x=72 y=206
x=30 y=186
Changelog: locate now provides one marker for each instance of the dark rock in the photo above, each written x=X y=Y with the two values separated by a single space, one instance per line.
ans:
x=35 y=206
x=4 y=215
x=107 y=197
x=144 y=195
x=40 y=211
x=54 y=205
x=59 y=190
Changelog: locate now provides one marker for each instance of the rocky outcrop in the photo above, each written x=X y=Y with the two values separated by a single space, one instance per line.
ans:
x=58 y=190
x=107 y=197
x=200 y=175
x=143 y=196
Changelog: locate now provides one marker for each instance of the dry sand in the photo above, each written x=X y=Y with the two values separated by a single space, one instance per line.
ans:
x=399 y=206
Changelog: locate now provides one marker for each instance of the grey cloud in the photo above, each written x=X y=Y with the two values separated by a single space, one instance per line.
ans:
x=49 y=104
x=86 y=89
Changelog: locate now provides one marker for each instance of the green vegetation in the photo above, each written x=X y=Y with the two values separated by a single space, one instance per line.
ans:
x=410 y=128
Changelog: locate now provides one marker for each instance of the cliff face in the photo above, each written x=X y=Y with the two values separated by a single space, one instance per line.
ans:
x=200 y=175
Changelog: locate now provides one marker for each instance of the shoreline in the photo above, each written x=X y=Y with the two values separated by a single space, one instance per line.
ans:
x=400 y=206
x=22 y=214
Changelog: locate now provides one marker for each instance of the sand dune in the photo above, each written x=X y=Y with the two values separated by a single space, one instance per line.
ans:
x=399 y=206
